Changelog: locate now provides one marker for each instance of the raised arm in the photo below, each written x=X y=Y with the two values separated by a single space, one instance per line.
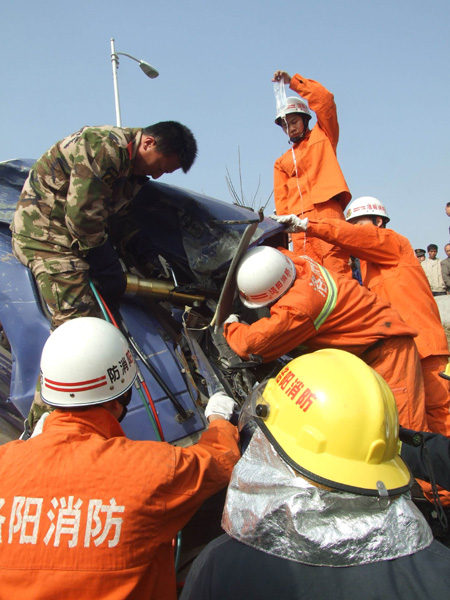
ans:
x=321 y=101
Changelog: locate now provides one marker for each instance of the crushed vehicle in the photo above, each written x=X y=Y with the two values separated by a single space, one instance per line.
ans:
x=172 y=325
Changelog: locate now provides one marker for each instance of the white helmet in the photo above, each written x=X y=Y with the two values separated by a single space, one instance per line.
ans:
x=85 y=361
x=264 y=275
x=293 y=105
x=366 y=206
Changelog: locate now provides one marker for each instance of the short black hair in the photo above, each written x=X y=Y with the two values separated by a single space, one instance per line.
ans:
x=174 y=138
x=432 y=247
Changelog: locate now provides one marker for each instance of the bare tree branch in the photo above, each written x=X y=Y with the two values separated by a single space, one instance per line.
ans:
x=240 y=200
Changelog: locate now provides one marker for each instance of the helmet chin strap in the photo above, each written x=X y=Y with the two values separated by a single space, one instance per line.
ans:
x=298 y=138
x=124 y=401
x=122 y=416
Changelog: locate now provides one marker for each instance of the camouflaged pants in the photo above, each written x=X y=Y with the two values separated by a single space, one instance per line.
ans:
x=62 y=278
x=63 y=282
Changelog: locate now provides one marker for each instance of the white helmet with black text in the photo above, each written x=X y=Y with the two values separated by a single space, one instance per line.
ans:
x=263 y=276
x=85 y=361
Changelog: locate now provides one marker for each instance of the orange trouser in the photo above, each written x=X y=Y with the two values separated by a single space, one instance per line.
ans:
x=437 y=394
x=397 y=361
x=331 y=257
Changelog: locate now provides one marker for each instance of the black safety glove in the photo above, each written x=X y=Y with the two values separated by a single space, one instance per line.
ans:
x=107 y=274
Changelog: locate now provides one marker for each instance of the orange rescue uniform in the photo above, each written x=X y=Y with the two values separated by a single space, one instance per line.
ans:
x=308 y=180
x=390 y=269
x=360 y=323
x=95 y=518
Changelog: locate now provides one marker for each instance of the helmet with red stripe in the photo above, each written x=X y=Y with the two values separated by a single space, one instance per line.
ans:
x=85 y=361
x=263 y=275
x=366 y=206
x=293 y=105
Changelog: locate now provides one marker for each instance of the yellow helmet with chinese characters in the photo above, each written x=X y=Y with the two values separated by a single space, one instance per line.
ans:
x=333 y=419
x=85 y=361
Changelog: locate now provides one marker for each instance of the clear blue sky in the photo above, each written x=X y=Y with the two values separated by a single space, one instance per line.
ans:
x=387 y=63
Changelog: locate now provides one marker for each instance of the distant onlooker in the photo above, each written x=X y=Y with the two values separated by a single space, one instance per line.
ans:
x=432 y=268
x=447 y=212
x=445 y=267
x=432 y=250
x=420 y=253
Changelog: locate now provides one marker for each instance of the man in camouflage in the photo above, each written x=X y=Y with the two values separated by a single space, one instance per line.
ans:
x=60 y=224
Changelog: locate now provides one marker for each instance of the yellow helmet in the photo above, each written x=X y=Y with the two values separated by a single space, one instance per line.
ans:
x=334 y=420
x=446 y=374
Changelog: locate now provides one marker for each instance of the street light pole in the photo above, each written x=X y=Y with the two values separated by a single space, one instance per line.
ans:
x=145 y=66
x=115 y=65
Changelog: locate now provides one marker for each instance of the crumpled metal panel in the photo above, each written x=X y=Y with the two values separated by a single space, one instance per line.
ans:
x=271 y=508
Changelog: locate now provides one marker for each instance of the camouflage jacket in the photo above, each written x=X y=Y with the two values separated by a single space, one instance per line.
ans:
x=75 y=186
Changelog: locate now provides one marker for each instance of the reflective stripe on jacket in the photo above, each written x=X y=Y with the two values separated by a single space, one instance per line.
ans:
x=331 y=299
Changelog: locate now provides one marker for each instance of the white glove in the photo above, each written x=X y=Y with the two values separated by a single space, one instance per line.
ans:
x=294 y=223
x=220 y=404
x=232 y=319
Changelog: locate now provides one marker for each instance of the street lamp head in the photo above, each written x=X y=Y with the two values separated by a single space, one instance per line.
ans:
x=145 y=67
x=148 y=69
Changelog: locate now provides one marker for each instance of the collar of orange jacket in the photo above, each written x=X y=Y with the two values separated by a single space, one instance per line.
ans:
x=94 y=418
